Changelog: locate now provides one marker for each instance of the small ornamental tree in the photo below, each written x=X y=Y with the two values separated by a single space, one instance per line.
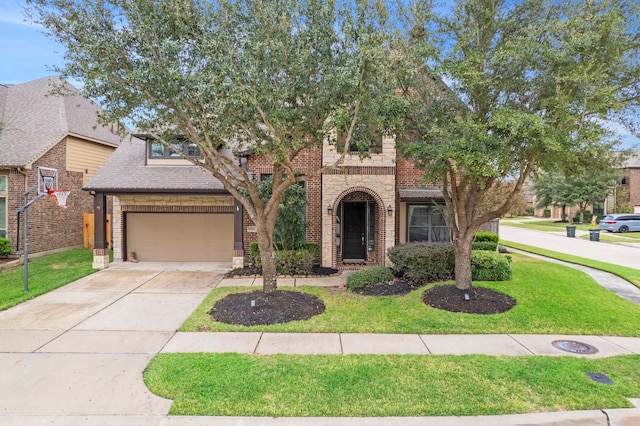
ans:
x=272 y=77
x=530 y=85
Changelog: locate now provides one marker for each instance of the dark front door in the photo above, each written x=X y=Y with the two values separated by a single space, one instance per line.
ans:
x=355 y=228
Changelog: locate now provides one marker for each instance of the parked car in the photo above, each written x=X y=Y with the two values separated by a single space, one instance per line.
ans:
x=621 y=222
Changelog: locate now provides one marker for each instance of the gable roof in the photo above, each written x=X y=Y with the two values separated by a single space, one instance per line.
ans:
x=34 y=120
x=126 y=171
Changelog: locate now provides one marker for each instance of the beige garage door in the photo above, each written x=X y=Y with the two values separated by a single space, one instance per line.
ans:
x=184 y=237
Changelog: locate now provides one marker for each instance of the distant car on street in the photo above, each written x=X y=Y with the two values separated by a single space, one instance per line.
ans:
x=621 y=222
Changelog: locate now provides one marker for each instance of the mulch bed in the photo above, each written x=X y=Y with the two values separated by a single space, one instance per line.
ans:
x=482 y=300
x=396 y=288
x=252 y=271
x=270 y=308
x=284 y=306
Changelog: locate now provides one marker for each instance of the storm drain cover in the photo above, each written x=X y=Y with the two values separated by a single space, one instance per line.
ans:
x=600 y=378
x=574 y=347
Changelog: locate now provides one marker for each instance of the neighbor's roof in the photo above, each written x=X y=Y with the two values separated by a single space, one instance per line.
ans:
x=633 y=161
x=126 y=172
x=33 y=120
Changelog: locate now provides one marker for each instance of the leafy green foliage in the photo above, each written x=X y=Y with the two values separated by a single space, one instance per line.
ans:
x=484 y=245
x=490 y=266
x=5 y=247
x=484 y=240
x=582 y=188
x=426 y=262
x=482 y=236
x=270 y=77
x=289 y=232
x=289 y=262
x=524 y=94
x=369 y=276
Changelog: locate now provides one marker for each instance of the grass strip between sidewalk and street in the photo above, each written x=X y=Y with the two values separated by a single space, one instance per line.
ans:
x=629 y=274
x=551 y=299
x=387 y=385
x=46 y=273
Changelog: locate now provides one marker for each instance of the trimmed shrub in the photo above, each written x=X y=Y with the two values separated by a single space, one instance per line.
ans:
x=484 y=245
x=482 y=236
x=5 y=247
x=369 y=276
x=289 y=262
x=490 y=266
x=425 y=262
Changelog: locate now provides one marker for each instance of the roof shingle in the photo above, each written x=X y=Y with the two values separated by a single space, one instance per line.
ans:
x=33 y=120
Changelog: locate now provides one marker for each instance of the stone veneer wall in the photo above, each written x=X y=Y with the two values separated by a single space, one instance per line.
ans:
x=180 y=202
x=336 y=187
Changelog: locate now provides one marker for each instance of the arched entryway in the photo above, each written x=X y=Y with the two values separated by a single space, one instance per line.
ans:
x=359 y=229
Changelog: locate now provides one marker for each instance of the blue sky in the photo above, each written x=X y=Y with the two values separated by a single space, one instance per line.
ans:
x=27 y=54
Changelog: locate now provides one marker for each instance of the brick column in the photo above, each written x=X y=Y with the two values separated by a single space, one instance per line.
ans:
x=100 y=250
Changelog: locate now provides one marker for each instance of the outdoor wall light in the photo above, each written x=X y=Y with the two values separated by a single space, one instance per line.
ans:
x=389 y=210
x=330 y=210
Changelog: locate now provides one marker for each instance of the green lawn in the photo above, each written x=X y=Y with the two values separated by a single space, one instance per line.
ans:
x=46 y=273
x=552 y=299
x=394 y=385
x=629 y=274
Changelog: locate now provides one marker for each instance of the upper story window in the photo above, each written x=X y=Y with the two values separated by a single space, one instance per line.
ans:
x=158 y=150
x=365 y=138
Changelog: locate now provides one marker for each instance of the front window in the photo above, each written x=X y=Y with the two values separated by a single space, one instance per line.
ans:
x=427 y=223
x=3 y=206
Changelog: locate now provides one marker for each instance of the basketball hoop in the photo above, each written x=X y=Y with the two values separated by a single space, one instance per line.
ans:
x=59 y=197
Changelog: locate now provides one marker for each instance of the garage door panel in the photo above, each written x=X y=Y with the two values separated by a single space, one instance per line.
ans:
x=180 y=237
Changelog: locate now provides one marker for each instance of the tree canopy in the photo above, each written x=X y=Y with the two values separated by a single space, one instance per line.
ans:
x=530 y=85
x=270 y=77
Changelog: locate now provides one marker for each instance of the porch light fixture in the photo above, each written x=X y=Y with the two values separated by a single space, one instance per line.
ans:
x=330 y=210
x=389 y=210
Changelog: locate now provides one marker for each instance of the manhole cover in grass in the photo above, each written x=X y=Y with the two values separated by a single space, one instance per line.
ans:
x=600 y=378
x=574 y=347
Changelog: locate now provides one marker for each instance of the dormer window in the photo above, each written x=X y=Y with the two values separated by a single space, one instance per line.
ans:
x=158 y=150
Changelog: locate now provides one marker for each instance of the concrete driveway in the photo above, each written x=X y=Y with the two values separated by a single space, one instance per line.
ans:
x=103 y=328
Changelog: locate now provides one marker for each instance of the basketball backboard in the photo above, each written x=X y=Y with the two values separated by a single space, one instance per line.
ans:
x=47 y=180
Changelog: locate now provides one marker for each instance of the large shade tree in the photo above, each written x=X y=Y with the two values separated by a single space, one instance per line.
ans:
x=273 y=77
x=582 y=189
x=530 y=85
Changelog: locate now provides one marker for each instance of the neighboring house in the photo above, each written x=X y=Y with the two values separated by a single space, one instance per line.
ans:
x=167 y=209
x=61 y=132
x=628 y=191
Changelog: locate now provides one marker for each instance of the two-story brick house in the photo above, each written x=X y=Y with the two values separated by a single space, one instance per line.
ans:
x=167 y=209
x=38 y=128
x=628 y=190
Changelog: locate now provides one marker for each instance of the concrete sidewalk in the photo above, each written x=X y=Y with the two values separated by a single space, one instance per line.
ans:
x=627 y=254
x=77 y=354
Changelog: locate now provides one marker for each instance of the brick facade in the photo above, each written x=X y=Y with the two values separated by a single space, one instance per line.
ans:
x=632 y=188
x=50 y=227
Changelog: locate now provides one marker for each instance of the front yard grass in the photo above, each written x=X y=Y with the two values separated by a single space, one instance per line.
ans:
x=46 y=273
x=551 y=299
x=629 y=274
x=390 y=385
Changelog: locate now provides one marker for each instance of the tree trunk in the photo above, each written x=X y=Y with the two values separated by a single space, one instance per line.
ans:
x=268 y=259
x=563 y=214
x=581 y=216
x=463 y=261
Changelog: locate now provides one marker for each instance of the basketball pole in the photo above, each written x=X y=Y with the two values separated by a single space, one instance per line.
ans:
x=25 y=244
